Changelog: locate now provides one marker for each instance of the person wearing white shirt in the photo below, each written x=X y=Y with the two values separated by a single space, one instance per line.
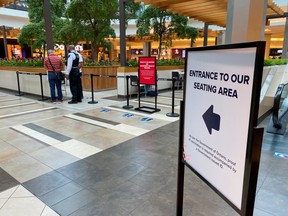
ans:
x=73 y=74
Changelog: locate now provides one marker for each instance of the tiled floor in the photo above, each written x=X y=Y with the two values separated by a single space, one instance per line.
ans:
x=100 y=159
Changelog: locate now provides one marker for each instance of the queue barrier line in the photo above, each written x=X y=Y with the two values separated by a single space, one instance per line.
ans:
x=128 y=106
x=107 y=76
x=29 y=73
x=104 y=76
x=174 y=79
x=165 y=79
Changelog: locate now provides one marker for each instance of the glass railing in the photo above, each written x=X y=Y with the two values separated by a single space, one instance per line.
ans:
x=280 y=105
x=18 y=5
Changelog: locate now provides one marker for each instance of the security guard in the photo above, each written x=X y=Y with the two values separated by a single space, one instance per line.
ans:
x=80 y=70
x=73 y=74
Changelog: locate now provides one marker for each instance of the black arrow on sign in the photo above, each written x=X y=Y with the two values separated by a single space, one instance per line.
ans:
x=212 y=120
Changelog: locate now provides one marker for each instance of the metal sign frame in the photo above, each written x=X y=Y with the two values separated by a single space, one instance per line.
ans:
x=254 y=134
x=153 y=81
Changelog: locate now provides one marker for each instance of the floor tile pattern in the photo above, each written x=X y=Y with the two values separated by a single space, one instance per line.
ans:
x=18 y=201
x=103 y=160
x=47 y=132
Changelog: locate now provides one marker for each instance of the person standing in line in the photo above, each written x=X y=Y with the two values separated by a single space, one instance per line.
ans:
x=73 y=74
x=80 y=70
x=53 y=64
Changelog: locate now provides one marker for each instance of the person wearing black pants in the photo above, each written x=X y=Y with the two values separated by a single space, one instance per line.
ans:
x=80 y=69
x=73 y=74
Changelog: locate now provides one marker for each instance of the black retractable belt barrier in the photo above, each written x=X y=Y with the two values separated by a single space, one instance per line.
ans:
x=92 y=90
x=18 y=84
x=172 y=114
x=108 y=76
x=41 y=84
x=174 y=79
x=127 y=87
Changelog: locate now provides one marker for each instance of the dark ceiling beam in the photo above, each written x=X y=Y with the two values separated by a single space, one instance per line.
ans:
x=275 y=16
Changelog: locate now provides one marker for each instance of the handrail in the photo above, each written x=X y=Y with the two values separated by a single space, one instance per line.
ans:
x=280 y=106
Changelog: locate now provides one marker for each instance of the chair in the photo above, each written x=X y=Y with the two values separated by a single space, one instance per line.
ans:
x=178 y=83
x=63 y=86
x=135 y=82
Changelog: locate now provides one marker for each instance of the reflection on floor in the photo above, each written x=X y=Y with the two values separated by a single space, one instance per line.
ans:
x=100 y=159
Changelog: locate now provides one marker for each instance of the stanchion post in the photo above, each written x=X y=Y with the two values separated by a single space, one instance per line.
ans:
x=18 y=83
x=92 y=91
x=128 y=95
x=41 y=86
x=172 y=114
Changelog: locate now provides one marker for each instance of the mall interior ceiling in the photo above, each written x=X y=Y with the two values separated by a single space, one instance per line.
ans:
x=212 y=12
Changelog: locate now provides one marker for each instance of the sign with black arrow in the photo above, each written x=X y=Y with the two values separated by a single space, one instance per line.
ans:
x=222 y=92
x=212 y=120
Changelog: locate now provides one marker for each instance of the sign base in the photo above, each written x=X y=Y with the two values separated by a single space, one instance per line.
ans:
x=127 y=107
x=147 y=109
x=172 y=115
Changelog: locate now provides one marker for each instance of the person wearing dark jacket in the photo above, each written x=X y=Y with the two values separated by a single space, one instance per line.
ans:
x=73 y=74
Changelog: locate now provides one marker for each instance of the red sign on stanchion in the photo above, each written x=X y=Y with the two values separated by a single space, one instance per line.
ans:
x=147 y=70
x=147 y=76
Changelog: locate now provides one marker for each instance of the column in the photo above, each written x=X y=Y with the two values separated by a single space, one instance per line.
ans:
x=285 y=41
x=245 y=20
x=122 y=33
x=146 y=48
x=267 y=47
x=205 y=39
x=5 y=40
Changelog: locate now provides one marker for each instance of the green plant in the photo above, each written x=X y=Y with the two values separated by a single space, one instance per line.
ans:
x=104 y=63
x=22 y=62
x=170 y=62
x=271 y=62
x=93 y=19
x=164 y=26
x=164 y=62
x=131 y=63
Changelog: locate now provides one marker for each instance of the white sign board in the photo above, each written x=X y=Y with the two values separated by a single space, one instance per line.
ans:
x=218 y=93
